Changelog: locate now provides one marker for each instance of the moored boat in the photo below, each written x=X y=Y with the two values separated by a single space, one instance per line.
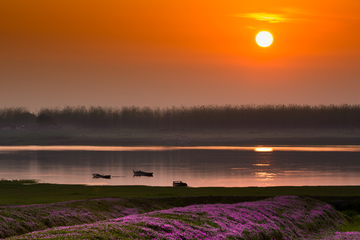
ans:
x=97 y=175
x=141 y=173
x=179 y=184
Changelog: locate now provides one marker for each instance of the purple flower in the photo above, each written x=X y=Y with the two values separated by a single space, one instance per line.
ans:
x=286 y=217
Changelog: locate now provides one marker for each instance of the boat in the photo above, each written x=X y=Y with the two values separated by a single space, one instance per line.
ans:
x=97 y=175
x=179 y=184
x=141 y=173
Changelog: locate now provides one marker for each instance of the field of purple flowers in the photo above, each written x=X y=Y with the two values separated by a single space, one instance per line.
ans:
x=16 y=220
x=286 y=217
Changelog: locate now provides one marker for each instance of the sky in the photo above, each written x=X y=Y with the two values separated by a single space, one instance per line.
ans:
x=164 y=53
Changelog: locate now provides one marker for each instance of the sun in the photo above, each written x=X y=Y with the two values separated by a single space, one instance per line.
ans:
x=264 y=39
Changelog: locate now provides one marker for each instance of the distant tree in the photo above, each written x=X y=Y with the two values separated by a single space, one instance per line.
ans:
x=16 y=115
x=44 y=119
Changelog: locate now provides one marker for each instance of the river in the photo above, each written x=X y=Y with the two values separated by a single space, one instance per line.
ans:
x=197 y=166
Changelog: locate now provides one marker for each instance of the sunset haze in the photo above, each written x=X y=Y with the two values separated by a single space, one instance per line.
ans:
x=172 y=53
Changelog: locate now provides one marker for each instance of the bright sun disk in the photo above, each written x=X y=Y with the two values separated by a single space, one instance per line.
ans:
x=264 y=39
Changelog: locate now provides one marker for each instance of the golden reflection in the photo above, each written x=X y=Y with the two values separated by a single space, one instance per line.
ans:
x=265 y=176
x=326 y=148
x=261 y=164
x=263 y=149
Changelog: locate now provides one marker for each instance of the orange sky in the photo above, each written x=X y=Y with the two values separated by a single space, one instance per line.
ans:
x=189 y=52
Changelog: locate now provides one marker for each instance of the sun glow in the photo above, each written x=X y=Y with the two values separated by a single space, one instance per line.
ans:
x=263 y=149
x=264 y=39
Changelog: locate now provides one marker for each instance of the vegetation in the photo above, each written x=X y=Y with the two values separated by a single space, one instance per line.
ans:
x=353 y=223
x=197 y=117
x=44 y=119
x=77 y=204
x=22 y=192
x=206 y=137
x=287 y=217
x=17 y=115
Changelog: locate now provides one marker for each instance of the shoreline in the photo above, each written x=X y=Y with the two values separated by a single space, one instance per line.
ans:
x=297 y=141
x=268 y=148
x=18 y=193
x=207 y=137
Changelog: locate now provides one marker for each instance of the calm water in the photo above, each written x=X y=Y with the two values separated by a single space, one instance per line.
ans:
x=197 y=166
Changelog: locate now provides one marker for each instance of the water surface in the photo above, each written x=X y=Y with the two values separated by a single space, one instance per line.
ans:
x=197 y=166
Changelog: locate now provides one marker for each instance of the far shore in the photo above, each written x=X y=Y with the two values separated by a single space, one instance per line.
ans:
x=203 y=137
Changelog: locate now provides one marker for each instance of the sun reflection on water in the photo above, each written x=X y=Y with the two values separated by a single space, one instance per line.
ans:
x=263 y=149
x=325 y=148
x=261 y=164
x=264 y=176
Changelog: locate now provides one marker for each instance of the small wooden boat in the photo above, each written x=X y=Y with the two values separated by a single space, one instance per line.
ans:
x=141 y=173
x=179 y=184
x=97 y=175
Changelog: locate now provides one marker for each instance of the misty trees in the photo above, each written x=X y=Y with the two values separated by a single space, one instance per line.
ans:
x=196 y=117
x=16 y=115
x=44 y=119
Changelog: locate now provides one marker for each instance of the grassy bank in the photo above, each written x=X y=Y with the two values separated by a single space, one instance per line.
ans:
x=25 y=192
x=287 y=217
x=78 y=204
x=20 y=192
x=210 y=137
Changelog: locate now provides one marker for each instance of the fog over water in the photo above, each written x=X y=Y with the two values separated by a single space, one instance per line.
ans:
x=197 y=166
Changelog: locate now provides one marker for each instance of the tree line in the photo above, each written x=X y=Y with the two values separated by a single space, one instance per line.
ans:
x=196 y=117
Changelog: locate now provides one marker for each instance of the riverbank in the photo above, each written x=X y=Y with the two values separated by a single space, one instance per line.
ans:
x=25 y=192
x=87 y=204
x=143 y=137
x=120 y=218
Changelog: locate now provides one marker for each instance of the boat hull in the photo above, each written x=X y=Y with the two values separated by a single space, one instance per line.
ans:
x=141 y=173
x=179 y=184
x=97 y=175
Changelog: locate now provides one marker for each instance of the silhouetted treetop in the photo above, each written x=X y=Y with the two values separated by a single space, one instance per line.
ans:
x=196 y=117
x=44 y=119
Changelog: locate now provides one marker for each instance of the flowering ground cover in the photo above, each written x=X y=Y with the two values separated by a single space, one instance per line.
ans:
x=15 y=220
x=286 y=217
x=344 y=236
